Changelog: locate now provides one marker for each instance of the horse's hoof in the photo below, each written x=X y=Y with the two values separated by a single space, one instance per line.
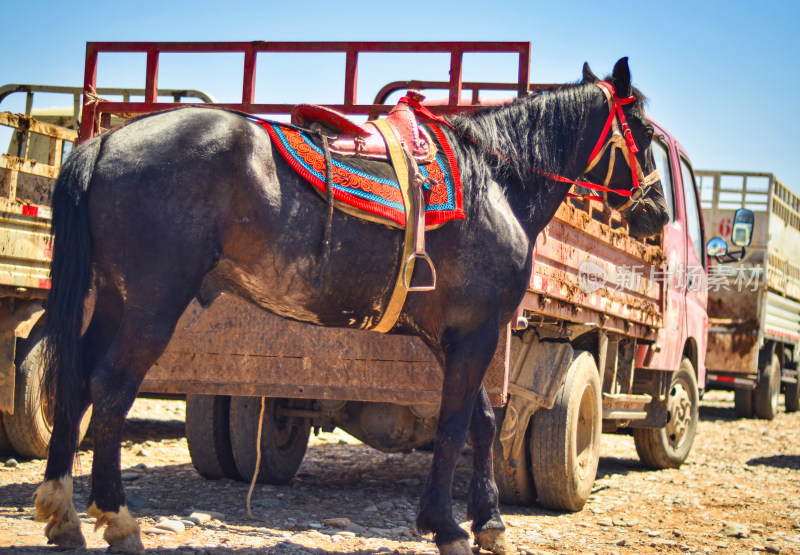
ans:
x=131 y=545
x=492 y=540
x=458 y=547
x=123 y=533
x=66 y=535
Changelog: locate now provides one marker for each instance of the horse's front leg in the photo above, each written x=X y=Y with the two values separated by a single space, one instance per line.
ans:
x=467 y=355
x=483 y=500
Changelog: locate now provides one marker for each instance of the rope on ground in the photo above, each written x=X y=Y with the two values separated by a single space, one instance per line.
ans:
x=258 y=459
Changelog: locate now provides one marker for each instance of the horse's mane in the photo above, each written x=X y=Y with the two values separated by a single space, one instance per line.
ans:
x=536 y=132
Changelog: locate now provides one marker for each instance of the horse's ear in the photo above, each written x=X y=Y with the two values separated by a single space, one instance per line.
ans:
x=622 y=77
x=588 y=74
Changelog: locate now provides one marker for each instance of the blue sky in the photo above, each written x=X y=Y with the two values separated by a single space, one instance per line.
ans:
x=721 y=76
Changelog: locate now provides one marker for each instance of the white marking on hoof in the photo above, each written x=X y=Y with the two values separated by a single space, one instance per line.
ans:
x=123 y=533
x=458 y=547
x=492 y=540
x=53 y=502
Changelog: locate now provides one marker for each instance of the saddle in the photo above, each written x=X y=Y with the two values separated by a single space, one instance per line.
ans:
x=399 y=140
x=364 y=140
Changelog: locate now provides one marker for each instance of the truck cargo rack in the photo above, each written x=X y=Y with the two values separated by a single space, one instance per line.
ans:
x=96 y=111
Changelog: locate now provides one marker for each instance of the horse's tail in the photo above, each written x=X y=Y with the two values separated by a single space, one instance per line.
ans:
x=70 y=273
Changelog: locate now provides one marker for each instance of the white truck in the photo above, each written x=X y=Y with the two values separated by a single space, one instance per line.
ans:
x=754 y=306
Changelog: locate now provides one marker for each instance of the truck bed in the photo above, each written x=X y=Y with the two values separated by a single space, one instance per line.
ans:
x=233 y=348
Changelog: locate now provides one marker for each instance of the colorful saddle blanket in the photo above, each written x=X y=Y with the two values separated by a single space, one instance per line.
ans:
x=370 y=186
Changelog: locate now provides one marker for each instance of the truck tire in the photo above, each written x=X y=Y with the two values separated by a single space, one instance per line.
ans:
x=669 y=446
x=768 y=389
x=565 y=440
x=283 y=440
x=5 y=444
x=743 y=403
x=31 y=425
x=791 y=396
x=512 y=475
x=208 y=436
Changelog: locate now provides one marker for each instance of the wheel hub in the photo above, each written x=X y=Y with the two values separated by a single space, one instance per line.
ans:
x=679 y=406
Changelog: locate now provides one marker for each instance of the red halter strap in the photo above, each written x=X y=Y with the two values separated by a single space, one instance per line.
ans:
x=629 y=150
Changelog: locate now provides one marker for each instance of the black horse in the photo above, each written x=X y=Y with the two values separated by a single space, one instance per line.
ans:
x=195 y=202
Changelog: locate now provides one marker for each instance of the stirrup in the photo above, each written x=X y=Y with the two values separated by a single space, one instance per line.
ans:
x=407 y=280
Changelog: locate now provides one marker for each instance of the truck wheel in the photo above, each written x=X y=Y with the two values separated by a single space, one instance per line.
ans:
x=512 y=475
x=31 y=425
x=283 y=439
x=5 y=444
x=743 y=403
x=768 y=389
x=791 y=396
x=565 y=440
x=669 y=446
x=208 y=436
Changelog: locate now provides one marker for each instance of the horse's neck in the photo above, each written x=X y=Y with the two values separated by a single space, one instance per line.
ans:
x=521 y=168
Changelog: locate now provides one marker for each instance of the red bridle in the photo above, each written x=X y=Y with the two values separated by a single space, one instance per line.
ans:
x=616 y=134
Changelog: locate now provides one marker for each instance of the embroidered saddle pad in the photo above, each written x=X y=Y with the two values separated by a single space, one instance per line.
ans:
x=367 y=188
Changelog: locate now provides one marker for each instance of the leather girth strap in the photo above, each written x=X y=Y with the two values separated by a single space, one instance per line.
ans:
x=414 y=240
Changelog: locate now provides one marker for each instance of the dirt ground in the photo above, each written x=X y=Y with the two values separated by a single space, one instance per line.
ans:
x=737 y=493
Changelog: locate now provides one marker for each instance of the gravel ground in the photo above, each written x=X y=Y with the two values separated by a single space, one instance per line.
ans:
x=737 y=493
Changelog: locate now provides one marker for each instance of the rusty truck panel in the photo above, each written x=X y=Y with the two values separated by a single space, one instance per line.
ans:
x=587 y=272
x=26 y=247
x=234 y=348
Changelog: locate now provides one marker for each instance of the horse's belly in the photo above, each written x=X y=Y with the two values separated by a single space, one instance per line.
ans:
x=299 y=291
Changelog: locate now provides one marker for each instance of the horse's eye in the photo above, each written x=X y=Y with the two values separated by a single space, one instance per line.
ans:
x=649 y=131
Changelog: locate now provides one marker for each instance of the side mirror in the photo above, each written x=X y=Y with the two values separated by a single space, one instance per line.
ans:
x=717 y=247
x=742 y=232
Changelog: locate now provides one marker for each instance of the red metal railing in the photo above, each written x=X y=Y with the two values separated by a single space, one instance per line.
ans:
x=93 y=108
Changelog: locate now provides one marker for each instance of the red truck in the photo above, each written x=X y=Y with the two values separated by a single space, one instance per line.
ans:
x=610 y=336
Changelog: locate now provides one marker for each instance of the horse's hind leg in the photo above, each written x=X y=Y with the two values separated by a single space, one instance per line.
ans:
x=53 y=499
x=466 y=358
x=143 y=334
x=483 y=499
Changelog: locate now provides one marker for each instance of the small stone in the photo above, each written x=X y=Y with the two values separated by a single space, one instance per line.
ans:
x=772 y=548
x=188 y=523
x=605 y=522
x=271 y=503
x=652 y=533
x=142 y=453
x=337 y=522
x=11 y=463
x=736 y=530
x=158 y=531
x=175 y=526
x=130 y=476
x=199 y=518
x=316 y=535
x=621 y=542
x=136 y=502
x=347 y=534
x=385 y=505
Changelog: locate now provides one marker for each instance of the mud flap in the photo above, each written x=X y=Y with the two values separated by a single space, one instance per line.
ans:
x=538 y=369
x=13 y=325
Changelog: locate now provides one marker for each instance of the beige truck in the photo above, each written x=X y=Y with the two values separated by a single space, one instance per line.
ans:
x=40 y=139
x=754 y=304
x=27 y=173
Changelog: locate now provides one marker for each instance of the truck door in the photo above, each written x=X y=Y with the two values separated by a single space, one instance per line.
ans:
x=696 y=262
x=672 y=335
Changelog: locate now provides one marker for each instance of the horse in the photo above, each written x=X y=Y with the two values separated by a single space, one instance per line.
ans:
x=193 y=203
